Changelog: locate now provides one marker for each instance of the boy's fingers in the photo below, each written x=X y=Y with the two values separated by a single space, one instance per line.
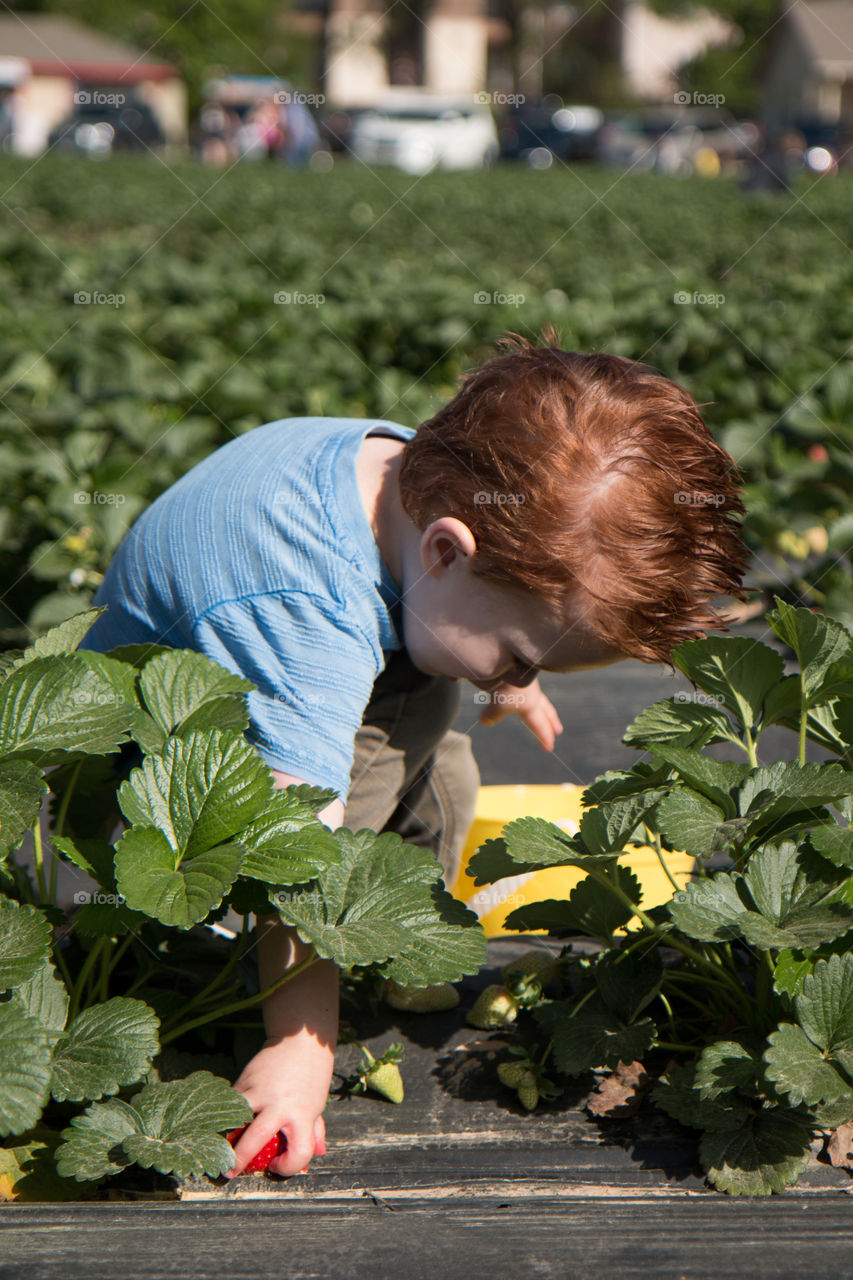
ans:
x=250 y=1143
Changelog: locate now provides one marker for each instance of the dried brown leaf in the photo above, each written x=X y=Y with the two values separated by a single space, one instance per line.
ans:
x=619 y=1095
x=839 y=1148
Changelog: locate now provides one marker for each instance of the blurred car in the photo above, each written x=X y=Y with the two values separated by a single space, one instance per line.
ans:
x=538 y=133
x=421 y=132
x=98 y=129
x=819 y=147
x=678 y=141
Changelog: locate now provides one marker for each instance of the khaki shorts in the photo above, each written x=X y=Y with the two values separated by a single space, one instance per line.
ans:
x=412 y=773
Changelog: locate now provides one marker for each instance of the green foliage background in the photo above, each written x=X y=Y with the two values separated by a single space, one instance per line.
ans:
x=123 y=399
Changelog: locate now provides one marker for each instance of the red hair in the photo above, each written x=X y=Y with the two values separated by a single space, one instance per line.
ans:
x=586 y=479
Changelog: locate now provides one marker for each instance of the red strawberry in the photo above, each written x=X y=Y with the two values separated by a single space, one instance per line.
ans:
x=264 y=1158
x=275 y=1147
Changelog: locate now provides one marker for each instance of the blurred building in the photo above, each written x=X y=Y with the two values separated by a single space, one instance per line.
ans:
x=468 y=46
x=809 y=70
x=49 y=65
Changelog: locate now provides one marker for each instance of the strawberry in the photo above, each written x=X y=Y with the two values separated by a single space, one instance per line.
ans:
x=494 y=1007
x=264 y=1158
x=511 y=1073
x=276 y=1146
x=528 y=1090
x=434 y=999
x=533 y=964
x=385 y=1078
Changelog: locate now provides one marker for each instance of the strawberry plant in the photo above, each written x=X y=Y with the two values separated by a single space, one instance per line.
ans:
x=742 y=984
x=97 y=1004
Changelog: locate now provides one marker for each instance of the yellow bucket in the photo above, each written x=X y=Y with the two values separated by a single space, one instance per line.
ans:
x=561 y=804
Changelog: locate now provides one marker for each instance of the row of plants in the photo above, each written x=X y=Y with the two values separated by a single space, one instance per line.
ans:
x=107 y=1003
x=733 y=1002
x=150 y=313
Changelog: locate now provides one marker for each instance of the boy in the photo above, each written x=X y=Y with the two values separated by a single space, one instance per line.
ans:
x=562 y=512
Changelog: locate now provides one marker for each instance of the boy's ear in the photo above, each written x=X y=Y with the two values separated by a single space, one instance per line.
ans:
x=445 y=542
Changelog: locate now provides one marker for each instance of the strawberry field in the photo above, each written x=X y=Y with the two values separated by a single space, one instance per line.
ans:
x=208 y=303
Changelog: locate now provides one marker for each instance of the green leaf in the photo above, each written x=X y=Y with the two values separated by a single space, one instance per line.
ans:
x=22 y=789
x=181 y=1122
x=380 y=902
x=680 y=720
x=818 y=642
x=592 y=1038
x=790 y=973
x=539 y=843
x=24 y=1069
x=616 y=783
x=678 y=1095
x=835 y=843
x=825 y=1008
x=709 y=910
x=287 y=845
x=492 y=861
x=715 y=779
x=628 y=982
x=184 y=690
x=54 y=705
x=737 y=671
x=766 y=1153
x=44 y=997
x=201 y=791
x=157 y=881
x=591 y=909
x=25 y=940
x=92 y=1146
x=609 y=827
x=798 y=896
x=798 y=1068
x=723 y=1067
x=63 y=638
x=691 y=823
x=106 y=1046
x=788 y=787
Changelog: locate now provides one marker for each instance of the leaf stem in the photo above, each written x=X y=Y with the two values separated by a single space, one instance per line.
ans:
x=82 y=978
x=218 y=981
x=239 y=1005
x=63 y=808
x=106 y=966
x=656 y=845
x=39 y=859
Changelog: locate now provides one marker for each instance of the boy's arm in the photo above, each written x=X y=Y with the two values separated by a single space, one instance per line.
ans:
x=287 y=1081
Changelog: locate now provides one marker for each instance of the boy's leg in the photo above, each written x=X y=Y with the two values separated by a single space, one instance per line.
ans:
x=412 y=773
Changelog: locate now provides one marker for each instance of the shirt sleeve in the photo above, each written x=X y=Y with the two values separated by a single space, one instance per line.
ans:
x=314 y=670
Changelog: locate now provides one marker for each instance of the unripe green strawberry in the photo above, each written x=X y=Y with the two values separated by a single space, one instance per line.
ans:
x=533 y=964
x=494 y=1007
x=385 y=1078
x=434 y=999
x=528 y=1091
x=511 y=1073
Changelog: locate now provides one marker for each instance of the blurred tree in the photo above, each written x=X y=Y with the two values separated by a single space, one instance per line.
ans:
x=227 y=37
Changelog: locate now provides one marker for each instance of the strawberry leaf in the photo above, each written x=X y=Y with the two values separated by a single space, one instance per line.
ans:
x=825 y=1008
x=25 y=940
x=24 y=1069
x=22 y=789
x=154 y=879
x=725 y=1066
x=677 y=1094
x=765 y=1153
x=44 y=997
x=185 y=691
x=54 y=705
x=693 y=824
x=591 y=1038
x=591 y=909
x=107 y=1046
x=737 y=671
x=92 y=1146
x=181 y=1123
x=681 y=721
x=797 y=1067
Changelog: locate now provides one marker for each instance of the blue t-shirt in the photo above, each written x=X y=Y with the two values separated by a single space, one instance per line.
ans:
x=263 y=558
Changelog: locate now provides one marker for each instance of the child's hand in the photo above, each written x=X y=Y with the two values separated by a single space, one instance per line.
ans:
x=287 y=1087
x=536 y=710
